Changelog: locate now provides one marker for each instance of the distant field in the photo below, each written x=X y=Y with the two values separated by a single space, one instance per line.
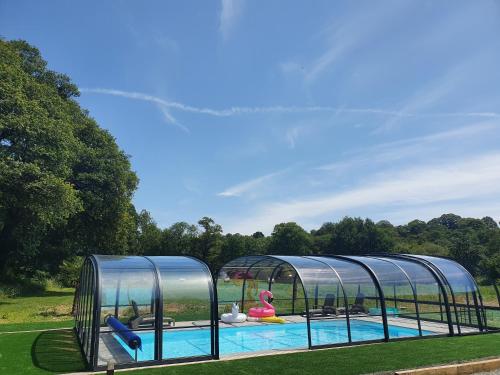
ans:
x=49 y=309
x=52 y=308
x=489 y=295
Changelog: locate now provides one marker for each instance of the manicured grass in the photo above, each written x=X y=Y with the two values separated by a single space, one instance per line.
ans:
x=53 y=305
x=46 y=352
x=58 y=352
x=14 y=327
x=354 y=360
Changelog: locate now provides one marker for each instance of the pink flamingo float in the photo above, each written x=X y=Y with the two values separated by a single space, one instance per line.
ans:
x=263 y=312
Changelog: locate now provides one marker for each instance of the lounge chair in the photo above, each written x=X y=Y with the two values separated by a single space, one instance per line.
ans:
x=146 y=319
x=358 y=307
x=328 y=307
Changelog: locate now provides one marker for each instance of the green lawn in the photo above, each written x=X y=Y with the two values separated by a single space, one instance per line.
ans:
x=354 y=360
x=50 y=309
x=46 y=352
x=57 y=352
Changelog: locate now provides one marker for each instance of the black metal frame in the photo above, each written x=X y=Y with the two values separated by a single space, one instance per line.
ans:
x=346 y=302
x=306 y=297
x=412 y=288
x=439 y=281
x=376 y=281
x=89 y=297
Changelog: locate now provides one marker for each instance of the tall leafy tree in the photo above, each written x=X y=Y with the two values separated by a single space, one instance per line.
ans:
x=210 y=241
x=358 y=236
x=149 y=236
x=290 y=239
x=179 y=239
x=65 y=186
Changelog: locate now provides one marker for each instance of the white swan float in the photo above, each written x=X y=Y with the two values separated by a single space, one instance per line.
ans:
x=234 y=316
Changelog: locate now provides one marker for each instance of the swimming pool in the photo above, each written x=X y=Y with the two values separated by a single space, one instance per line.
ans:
x=179 y=343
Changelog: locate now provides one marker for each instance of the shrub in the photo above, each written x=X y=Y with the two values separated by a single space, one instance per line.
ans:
x=25 y=286
x=69 y=272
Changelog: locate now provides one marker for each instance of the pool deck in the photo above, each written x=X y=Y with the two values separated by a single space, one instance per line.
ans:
x=437 y=327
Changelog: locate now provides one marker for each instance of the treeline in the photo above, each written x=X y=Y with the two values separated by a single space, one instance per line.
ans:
x=475 y=243
x=66 y=190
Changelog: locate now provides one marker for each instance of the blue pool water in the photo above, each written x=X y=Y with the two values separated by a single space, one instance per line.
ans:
x=196 y=342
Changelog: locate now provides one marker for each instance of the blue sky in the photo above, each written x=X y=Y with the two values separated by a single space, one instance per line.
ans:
x=261 y=112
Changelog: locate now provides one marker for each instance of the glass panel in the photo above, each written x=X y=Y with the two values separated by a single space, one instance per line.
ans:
x=465 y=292
x=186 y=312
x=258 y=278
x=365 y=315
x=241 y=281
x=431 y=305
x=325 y=300
x=399 y=298
x=288 y=294
x=128 y=293
x=230 y=282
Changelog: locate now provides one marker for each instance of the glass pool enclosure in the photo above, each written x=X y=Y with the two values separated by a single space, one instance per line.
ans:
x=138 y=311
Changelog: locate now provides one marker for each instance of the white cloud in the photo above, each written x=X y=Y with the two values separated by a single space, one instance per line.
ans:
x=230 y=12
x=471 y=179
x=345 y=35
x=248 y=187
x=170 y=119
x=234 y=111
x=398 y=150
x=433 y=93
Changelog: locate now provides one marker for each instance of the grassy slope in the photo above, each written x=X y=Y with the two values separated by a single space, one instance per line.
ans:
x=51 y=309
x=57 y=351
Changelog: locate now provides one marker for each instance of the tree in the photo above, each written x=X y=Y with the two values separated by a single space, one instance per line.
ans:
x=489 y=222
x=180 y=239
x=65 y=186
x=233 y=246
x=490 y=264
x=465 y=252
x=416 y=227
x=210 y=241
x=149 y=236
x=358 y=236
x=450 y=221
x=290 y=239
x=258 y=235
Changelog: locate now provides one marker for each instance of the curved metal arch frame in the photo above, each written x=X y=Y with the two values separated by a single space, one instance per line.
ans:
x=90 y=350
x=445 y=279
x=412 y=288
x=79 y=299
x=97 y=312
x=346 y=302
x=482 y=324
x=89 y=264
x=471 y=278
x=378 y=286
x=214 y=313
x=441 y=280
x=96 y=299
x=97 y=296
x=306 y=296
x=158 y=312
